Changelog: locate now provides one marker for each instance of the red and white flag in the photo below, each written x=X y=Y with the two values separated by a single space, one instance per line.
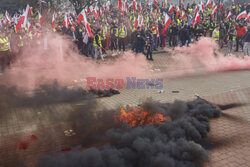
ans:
x=197 y=19
x=134 y=5
x=221 y=5
x=20 y=22
x=242 y=15
x=65 y=22
x=229 y=15
x=82 y=17
x=7 y=17
x=120 y=4
x=41 y=19
x=209 y=2
x=214 y=9
x=126 y=4
x=196 y=10
x=183 y=15
x=202 y=5
x=137 y=22
x=53 y=21
x=233 y=2
x=171 y=9
x=29 y=26
x=165 y=3
x=156 y=3
x=177 y=12
x=167 y=20
x=26 y=14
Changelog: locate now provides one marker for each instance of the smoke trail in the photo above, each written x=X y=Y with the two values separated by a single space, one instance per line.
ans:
x=171 y=144
x=62 y=63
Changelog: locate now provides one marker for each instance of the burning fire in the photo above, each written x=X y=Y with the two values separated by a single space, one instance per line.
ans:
x=139 y=116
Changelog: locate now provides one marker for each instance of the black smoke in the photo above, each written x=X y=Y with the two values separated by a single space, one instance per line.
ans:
x=173 y=143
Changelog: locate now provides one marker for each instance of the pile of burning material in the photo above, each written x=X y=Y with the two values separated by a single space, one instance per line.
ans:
x=161 y=134
x=104 y=92
x=139 y=117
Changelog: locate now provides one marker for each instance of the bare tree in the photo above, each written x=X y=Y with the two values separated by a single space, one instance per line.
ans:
x=79 y=5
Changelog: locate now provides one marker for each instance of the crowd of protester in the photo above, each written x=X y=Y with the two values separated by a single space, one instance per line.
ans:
x=142 y=28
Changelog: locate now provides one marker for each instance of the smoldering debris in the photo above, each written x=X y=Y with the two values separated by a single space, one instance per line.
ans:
x=104 y=92
x=172 y=144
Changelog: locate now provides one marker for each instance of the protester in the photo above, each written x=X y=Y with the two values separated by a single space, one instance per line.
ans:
x=246 y=40
x=142 y=28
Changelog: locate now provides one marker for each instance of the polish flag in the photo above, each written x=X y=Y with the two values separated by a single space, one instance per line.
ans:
x=30 y=10
x=167 y=20
x=26 y=15
x=20 y=22
x=171 y=9
x=120 y=4
x=183 y=15
x=197 y=19
x=165 y=3
x=142 y=20
x=82 y=17
x=229 y=15
x=126 y=4
x=7 y=17
x=196 y=10
x=65 y=22
x=156 y=3
x=177 y=12
x=137 y=22
x=214 y=9
x=95 y=12
x=134 y=5
x=53 y=21
x=29 y=26
x=221 y=5
x=201 y=8
x=41 y=19
x=202 y=5
x=209 y=2
x=242 y=15
x=91 y=9
x=248 y=16
x=124 y=9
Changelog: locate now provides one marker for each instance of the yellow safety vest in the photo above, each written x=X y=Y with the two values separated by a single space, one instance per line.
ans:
x=216 y=35
x=122 y=32
x=116 y=32
x=21 y=42
x=4 y=44
x=154 y=31
x=99 y=41
x=104 y=33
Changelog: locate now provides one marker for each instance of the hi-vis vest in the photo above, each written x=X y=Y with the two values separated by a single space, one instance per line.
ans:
x=216 y=35
x=116 y=32
x=4 y=44
x=155 y=30
x=122 y=32
x=99 y=41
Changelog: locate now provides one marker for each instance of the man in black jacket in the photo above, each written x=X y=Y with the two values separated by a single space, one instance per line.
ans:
x=183 y=35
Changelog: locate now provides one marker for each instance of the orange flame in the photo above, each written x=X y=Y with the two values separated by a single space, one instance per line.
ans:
x=139 y=116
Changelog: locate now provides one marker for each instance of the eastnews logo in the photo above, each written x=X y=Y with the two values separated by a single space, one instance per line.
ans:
x=128 y=83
